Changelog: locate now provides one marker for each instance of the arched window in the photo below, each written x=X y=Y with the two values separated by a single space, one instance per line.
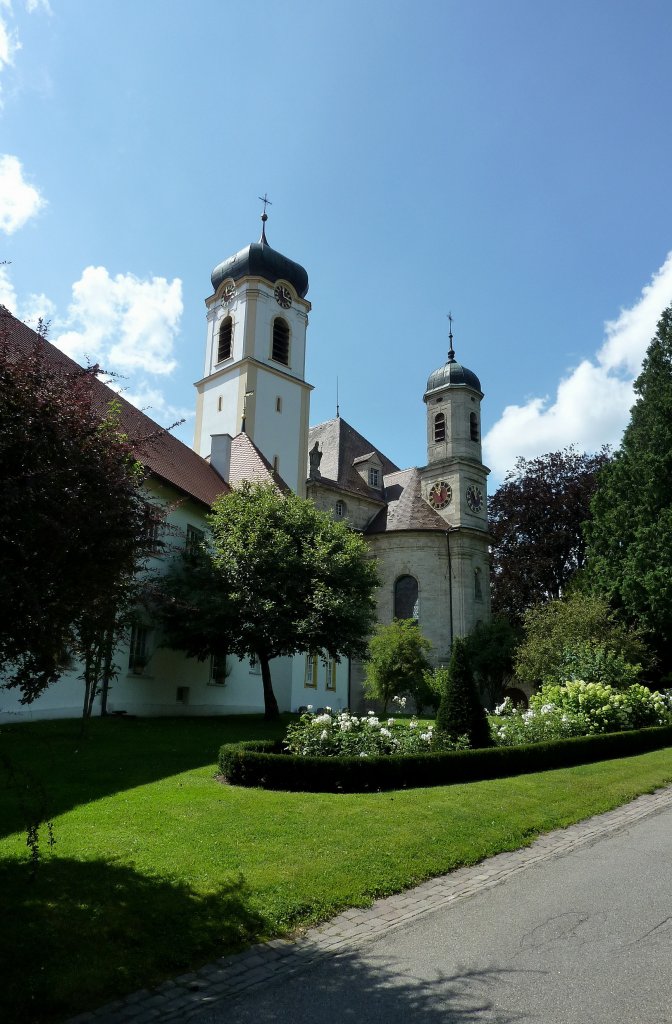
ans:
x=406 y=604
x=440 y=427
x=280 y=350
x=473 y=426
x=225 y=339
x=478 y=585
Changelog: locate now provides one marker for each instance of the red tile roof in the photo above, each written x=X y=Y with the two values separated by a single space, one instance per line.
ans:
x=163 y=455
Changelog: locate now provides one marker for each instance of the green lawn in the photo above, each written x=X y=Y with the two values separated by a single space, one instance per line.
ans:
x=157 y=867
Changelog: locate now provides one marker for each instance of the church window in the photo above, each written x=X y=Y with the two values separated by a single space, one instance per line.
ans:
x=406 y=604
x=440 y=427
x=225 y=338
x=310 y=678
x=195 y=538
x=341 y=509
x=280 y=350
x=478 y=585
x=374 y=477
x=138 y=655
x=473 y=426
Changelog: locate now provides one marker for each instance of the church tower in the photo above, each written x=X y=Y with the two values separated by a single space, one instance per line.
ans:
x=255 y=355
x=454 y=483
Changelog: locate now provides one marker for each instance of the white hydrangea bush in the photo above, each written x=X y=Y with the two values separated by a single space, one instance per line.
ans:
x=578 y=708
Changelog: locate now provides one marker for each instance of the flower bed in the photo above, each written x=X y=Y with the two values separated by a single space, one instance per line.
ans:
x=263 y=763
x=342 y=734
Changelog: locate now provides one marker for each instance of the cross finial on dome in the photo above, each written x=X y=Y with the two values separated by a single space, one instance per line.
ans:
x=264 y=217
x=451 y=350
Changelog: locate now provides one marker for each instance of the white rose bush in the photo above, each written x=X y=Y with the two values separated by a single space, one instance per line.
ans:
x=342 y=734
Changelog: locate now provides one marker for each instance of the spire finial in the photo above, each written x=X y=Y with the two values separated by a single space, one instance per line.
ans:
x=451 y=350
x=338 y=409
x=264 y=217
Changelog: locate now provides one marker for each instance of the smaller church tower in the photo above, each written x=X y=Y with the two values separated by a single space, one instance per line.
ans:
x=454 y=483
x=255 y=357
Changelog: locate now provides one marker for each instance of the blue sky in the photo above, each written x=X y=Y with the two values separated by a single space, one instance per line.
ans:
x=508 y=161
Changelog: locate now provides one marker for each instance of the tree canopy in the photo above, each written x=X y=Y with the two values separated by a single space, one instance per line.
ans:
x=579 y=637
x=74 y=526
x=630 y=533
x=397 y=662
x=536 y=521
x=280 y=577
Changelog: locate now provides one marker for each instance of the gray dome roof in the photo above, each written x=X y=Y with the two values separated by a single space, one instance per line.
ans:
x=259 y=260
x=453 y=374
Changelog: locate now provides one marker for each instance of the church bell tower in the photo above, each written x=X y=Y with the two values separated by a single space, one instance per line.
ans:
x=255 y=354
x=454 y=483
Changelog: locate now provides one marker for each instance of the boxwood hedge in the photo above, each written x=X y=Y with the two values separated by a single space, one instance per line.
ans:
x=262 y=763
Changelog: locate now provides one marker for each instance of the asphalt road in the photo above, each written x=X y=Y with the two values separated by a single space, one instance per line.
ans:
x=582 y=938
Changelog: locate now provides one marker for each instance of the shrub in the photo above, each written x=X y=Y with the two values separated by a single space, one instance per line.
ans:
x=579 y=709
x=396 y=662
x=340 y=733
x=461 y=713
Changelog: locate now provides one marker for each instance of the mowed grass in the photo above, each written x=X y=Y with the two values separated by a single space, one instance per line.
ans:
x=158 y=867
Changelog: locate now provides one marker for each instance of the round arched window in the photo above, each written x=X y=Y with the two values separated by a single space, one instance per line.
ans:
x=406 y=604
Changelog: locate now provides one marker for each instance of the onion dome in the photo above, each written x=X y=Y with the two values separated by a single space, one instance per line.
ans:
x=259 y=260
x=452 y=373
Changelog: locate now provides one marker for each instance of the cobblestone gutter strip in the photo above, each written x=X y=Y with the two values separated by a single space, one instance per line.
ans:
x=185 y=997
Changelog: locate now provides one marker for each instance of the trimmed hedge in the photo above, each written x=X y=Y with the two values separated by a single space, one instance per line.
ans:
x=262 y=763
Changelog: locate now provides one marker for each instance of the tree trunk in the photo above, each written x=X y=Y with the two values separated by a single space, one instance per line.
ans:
x=271 y=710
x=107 y=672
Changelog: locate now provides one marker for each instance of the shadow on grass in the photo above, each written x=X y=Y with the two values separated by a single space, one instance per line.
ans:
x=354 y=987
x=84 y=933
x=114 y=754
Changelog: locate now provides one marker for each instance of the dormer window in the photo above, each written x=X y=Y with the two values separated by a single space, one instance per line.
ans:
x=439 y=427
x=225 y=339
x=374 y=477
x=473 y=426
x=280 y=349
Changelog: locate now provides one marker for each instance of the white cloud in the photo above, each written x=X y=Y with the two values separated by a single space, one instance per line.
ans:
x=122 y=322
x=9 y=42
x=150 y=400
x=592 y=403
x=19 y=201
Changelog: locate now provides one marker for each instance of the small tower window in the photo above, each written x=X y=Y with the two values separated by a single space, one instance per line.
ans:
x=278 y=403
x=473 y=426
x=280 y=350
x=478 y=585
x=225 y=337
x=220 y=404
x=439 y=427
x=406 y=598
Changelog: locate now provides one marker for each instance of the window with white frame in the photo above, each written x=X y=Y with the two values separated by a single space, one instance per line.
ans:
x=194 y=539
x=310 y=675
x=374 y=477
x=341 y=509
x=218 y=670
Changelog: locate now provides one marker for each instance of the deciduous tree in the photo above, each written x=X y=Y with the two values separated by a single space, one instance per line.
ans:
x=280 y=577
x=536 y=522
x=74 y=526
x=397 y=662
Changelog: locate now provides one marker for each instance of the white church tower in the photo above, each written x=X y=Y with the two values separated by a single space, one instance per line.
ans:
x=454 y=482
x=255 y=358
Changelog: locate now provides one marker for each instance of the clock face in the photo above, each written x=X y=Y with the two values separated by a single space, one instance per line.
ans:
x=440 y=494
x=229 y=291
x=474 y=498
x=283 y=296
